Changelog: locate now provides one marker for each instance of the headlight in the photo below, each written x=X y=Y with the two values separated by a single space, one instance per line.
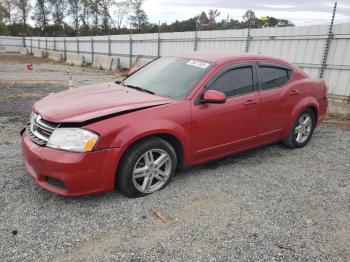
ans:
x=33 y=116
x=72 y=139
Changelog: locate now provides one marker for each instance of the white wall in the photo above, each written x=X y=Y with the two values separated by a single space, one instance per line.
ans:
x=303 y=46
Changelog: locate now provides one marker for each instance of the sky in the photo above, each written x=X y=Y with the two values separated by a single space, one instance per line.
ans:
x=299 y=12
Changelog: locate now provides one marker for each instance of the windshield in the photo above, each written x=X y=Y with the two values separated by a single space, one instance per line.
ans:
x=169 y=76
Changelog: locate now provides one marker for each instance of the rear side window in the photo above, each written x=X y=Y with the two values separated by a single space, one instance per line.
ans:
x=273 y=77
x=235 y=82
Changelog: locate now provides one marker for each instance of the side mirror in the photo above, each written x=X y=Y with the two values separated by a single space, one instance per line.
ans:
x=213 y=97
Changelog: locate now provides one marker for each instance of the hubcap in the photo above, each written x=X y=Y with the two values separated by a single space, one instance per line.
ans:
x=152 y=170
x=303 y=128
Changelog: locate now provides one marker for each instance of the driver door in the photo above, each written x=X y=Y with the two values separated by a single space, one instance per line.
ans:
x=221 y=129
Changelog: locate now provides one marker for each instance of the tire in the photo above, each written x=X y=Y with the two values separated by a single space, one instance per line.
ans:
x=146 y=167
x=294 y=140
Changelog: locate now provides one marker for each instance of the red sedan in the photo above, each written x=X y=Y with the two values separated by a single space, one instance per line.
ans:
x=177 y=111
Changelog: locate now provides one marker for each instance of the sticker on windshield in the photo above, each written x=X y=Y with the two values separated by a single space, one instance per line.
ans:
x=198 y=63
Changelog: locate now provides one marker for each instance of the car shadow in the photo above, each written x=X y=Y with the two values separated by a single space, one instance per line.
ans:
x=272 y=150
x=235 y=158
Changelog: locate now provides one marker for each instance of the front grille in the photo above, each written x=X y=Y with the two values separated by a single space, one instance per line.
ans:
x=34 y=138
x=40 y=130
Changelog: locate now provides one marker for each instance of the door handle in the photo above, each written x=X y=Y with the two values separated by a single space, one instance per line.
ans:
x=250 y=102
x=293 y=92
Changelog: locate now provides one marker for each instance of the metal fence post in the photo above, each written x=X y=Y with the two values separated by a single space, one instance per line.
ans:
x=196 y=38
x=31 y=45
x=77 y=45
x=109 y=46
x=92 y=49
x=247 y=41
x=24 y=41
x=158 y=48
x=130 y=50
x=46 y=45
x=64 y=43
x=64 y=48
x=328 y=42
x=54 y=43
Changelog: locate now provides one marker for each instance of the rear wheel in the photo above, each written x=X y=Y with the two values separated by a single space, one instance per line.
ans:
x=302 y=130
x=146 y=167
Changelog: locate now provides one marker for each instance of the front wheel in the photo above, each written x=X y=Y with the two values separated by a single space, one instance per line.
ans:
x=146 y=167
x=302 y=130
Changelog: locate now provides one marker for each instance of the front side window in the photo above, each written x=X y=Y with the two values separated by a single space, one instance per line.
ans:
x=273 y=77
x=169 y=76
x=237 y=81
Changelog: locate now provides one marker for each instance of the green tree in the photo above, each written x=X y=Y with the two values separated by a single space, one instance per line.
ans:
x=58 y=8
x=41 y=14
x=139 y=18
x=122 y=10
x=284 y=22
x=235 y=24
x=106 y=5
x=249 y=15
x=250 y=19
x=181 y=26
x=16 y=29
x=203 y=19
x=22 y=8
x=212 y=15
x=4 y=14
x=3 y=29
x=74 y=11
x=85 y=17
x=95 y=12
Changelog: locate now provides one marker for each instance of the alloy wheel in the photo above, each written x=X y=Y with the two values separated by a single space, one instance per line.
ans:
x=303 y=129
x=152 y=170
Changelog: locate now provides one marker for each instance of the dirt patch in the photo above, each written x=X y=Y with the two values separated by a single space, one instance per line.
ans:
x=13 y=72
x=25 y=59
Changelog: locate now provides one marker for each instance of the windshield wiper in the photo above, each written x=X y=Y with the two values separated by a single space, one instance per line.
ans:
x=120 y=82
x=135 y=87
x=140 y=89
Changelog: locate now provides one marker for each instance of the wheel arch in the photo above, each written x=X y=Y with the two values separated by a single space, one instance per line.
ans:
x=302 y=105
x=315 y=111
x=172 y=139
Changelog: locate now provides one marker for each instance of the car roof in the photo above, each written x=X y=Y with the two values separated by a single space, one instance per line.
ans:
x=219 y=57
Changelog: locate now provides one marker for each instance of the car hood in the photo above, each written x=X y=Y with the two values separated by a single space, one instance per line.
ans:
x=81 y=104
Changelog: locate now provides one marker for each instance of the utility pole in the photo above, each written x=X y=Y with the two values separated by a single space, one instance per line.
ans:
x=328 y=43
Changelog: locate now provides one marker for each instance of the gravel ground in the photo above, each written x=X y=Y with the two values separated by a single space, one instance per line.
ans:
x=269 y=204
x=13 y=72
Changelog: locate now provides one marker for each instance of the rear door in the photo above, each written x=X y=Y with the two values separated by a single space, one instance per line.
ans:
x=220 y=129
x=273 y=82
